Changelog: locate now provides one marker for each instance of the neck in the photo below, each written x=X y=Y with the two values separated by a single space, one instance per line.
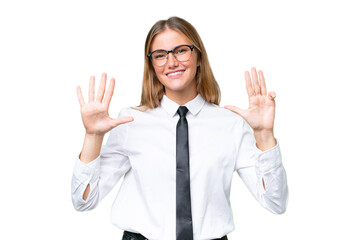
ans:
x=181 y=98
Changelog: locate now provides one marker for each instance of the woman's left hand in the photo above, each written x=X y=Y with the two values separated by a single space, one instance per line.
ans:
x=261 y=112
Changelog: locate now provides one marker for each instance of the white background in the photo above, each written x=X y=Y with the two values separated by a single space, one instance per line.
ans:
x=309 y=52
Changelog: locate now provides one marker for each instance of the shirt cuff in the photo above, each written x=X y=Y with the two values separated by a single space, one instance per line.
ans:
x=85 y=172
x=269 y=159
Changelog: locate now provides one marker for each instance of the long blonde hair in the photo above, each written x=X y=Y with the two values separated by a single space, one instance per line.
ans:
x=153 y=90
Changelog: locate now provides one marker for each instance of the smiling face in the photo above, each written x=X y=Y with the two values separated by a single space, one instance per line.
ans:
x=178 y=78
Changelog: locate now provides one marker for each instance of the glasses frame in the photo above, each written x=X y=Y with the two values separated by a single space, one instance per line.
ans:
x=171 y=51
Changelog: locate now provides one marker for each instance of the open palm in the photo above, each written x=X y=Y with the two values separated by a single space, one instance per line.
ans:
x=261 y=112
x=95 y=114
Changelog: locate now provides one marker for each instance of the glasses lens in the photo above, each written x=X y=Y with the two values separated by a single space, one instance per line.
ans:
x=182 y=53
x=159 y=57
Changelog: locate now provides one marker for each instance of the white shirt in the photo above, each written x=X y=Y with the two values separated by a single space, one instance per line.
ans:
x=144 y=152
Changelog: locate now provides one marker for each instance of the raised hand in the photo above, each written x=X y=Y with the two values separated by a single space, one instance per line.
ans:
x=95 y=114
x=261 y=112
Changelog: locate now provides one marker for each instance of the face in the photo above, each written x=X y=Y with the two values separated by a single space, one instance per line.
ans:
x=177 y=77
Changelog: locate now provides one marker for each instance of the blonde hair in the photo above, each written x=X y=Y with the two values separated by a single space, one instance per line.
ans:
x=153 y=90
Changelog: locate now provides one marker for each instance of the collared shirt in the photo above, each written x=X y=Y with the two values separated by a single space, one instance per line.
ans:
x=144 y=152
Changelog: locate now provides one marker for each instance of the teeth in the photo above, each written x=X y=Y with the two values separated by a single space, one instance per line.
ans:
x=175 y=73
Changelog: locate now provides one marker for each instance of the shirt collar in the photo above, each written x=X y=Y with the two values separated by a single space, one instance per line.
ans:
x=194 y=105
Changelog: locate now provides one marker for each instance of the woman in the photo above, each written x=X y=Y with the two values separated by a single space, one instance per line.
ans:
x=178 y=170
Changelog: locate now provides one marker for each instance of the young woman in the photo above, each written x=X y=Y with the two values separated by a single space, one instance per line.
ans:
x=178 y=150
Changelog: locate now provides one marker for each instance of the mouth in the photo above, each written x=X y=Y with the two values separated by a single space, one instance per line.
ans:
x=175 y=74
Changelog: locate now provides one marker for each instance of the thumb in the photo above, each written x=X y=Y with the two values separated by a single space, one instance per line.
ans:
x=121 y=120
x=236 y=110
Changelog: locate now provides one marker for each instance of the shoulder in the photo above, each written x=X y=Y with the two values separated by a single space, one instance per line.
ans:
x=142 y=116
x=130 y=111
x=222 y=113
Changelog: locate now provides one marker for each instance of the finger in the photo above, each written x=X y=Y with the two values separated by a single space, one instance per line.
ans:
x=263 y=89
x=91 y=88
x=255 y=81
x=109 y=92
x=121 y=120
x=236 y=110
x=101 y=91
x=80 y=96
x=249 y=88
x=272 y=96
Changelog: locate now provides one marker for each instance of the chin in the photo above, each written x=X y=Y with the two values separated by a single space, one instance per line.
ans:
x=177 y=85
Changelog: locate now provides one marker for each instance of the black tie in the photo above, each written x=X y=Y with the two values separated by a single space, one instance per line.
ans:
x=184 y=228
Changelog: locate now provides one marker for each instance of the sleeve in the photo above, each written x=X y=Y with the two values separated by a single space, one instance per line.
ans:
x=254 y=166
x=104 y=172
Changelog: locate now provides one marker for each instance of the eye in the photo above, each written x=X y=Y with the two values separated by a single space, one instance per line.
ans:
x=159 y=55
x=182 y=50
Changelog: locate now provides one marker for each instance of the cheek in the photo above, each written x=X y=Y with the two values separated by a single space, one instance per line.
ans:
x=158 y=72
x=192 y=66
x=195 y=62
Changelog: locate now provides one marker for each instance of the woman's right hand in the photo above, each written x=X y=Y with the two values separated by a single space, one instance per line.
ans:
x=95 y=114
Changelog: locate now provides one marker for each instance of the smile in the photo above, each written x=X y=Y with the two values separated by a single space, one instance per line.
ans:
x=175 y=73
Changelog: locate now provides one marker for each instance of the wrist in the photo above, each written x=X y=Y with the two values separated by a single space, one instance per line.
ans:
x=91 y=147
x=265 y=139
x=94 y=136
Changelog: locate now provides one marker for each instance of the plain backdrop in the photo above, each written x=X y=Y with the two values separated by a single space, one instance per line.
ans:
x=309 y=52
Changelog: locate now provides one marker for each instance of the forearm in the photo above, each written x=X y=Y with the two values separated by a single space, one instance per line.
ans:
x=267 y=181
x=273 y=177
x=84 y=184
x=90 y=151
x=276 y=194
x=91 y=147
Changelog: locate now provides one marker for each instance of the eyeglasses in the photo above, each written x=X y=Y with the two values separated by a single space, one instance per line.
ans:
x=182 y=53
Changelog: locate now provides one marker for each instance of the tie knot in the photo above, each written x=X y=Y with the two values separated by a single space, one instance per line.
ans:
x=182 y=111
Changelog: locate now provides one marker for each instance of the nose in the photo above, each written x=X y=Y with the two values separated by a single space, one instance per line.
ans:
x=172 y=61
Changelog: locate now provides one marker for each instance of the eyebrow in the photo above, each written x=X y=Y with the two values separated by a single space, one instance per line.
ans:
x=172 y=48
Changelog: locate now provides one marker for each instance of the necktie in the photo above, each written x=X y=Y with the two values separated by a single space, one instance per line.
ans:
x=184 y=229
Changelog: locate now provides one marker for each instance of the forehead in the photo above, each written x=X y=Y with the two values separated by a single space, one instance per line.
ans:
x=169 y=39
